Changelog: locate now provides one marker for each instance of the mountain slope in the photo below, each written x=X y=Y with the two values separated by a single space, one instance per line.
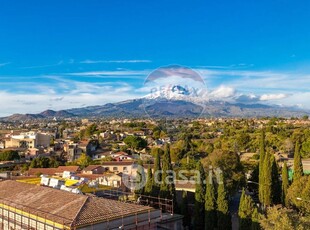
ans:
x=161 y=107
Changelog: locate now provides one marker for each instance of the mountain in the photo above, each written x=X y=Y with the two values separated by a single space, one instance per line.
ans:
x=51 y=113
x=47 y=114
x=175 y=102
x=22 y=117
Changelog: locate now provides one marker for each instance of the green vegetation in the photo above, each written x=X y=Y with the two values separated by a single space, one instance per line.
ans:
x=167 y=187
x=223 y=215
x=140 y=179
x=298 y=194
x=210 y=203
x=157 y=175
x=262 y=153
x=9 y=155
x=236 y=147
x=83 y=161
x=148 y=189
x=44 y=162
x=284 y=219
x=298 y=169
x=246 y=209
x=199 y=197
x=135 y=143
x=285 y=185
x=185 y=211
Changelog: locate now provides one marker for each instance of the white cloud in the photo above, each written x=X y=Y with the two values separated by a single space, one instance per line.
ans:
x=61 y=92
x=268 y=97
x=247 y=98
x=222 y=92
x=35 y=103
x=114 y=61
x=117 y=74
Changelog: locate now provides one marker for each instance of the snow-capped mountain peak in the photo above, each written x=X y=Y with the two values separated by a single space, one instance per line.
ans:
x=176 y=92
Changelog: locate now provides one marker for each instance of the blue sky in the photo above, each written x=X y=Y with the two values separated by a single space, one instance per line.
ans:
x=64 y=54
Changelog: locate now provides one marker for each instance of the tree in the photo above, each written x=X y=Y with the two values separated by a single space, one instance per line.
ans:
x=135 y=142
x=83 y=161
x=305 y=150
x=267 y=180
x=9 y=155
x=246 y=208
x=185 y=211
x=279 y=218
x=140 y=180
x=157 y=176
x=223 y=215
x=255 y=220
x=298 y=169
x=148 y=190
x=90 y=130
x=262 y=153
x=298 y=194
x=167 y=187
x=200 y=192
x=276 y=184
x=285 y=184
x=44 y=162
x=232 y=168
x=210 y=204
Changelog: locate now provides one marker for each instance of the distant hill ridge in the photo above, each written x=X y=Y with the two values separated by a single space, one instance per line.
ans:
x=157 y=108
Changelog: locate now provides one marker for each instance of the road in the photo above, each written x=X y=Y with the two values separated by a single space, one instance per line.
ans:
x=234 y=206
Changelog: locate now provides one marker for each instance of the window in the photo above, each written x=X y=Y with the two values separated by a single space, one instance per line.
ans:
x=114 y=168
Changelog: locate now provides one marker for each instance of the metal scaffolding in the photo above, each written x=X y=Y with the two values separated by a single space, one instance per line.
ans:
x=165 y=205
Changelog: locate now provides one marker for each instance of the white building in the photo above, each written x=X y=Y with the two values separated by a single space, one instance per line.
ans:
x=28 y=140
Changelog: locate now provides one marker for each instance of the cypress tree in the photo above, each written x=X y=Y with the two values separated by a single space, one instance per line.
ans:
x=255 y=220
x=267 y=185
x=262 y=153
x=276 y=185
x=223 y=215
x=157 y=175
x=298 y=169
x=167 y=187
x=285 y=184
x=210 y=205
x=246 y=207
x=149 y=183
x=140 y=180
x=184 y=211
x=199 y=197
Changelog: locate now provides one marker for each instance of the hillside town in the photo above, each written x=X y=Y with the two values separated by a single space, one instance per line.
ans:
x=102 y=161
x=154 y=115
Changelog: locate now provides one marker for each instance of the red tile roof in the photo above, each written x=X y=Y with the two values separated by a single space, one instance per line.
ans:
x=69 y=168
x=45 y=171
x=92 y=167
x=53 y=171
x=65 y=207
x=116 y=163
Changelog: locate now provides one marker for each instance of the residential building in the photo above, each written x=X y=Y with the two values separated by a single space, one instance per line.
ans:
x=93 y=169
x=28 y=140
x=27 y=206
